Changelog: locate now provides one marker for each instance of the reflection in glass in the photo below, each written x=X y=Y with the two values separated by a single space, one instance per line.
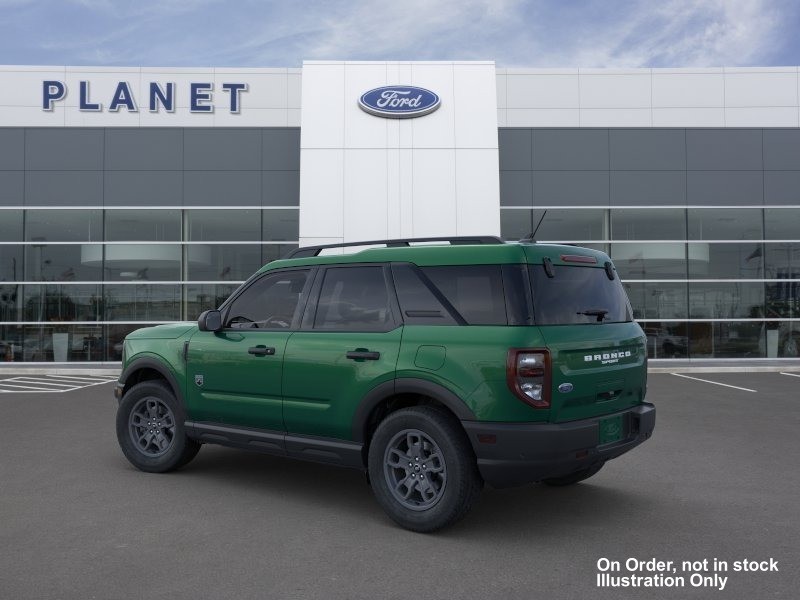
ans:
x=10 y=225
x=143 y=302
x=224 y=263
x=144 y=262
x=515 y=224
x=58 y=262
x=782 y=223
x=728 y=261
x=53 y=303
x=281 y=225
x=725 y=224
x=206 y=297
x=270 y=252
x=10 y=263
x=783 y=264
x=648 y=224
x=64 y=226
x=782 y=260
x=653 y=260
x=143 y=225
x=657 y=300
x=224 y=225
x=727 y=339
x=10 y=302
x=10 y=343
x=783 y=339
x=63 y=343
x=666 y=340
x=726 y=300
x=569 y=225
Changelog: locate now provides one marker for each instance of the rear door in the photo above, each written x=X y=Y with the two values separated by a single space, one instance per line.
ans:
x=598 y=352
x=348 y=343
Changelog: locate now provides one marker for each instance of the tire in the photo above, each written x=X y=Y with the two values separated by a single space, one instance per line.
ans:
x=573 y=477
x=163 y=448
x=410 y=444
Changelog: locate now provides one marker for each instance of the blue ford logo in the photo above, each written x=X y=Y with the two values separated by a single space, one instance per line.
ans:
x=565 y=388
x=399 y=101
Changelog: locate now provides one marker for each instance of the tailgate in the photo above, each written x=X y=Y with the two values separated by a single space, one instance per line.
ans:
x=597 y=369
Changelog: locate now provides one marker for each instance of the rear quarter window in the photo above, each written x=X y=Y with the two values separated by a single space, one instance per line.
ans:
x=475 y=291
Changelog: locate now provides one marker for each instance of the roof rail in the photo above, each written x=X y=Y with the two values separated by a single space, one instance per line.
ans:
x=310 y=251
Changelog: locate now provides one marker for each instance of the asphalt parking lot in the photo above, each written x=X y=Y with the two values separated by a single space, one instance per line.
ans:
x=719 y=479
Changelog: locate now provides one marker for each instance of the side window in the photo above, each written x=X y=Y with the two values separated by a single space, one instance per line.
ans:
x=354 y=299
x=269 y=303
x=475 y=291
x=418 y=303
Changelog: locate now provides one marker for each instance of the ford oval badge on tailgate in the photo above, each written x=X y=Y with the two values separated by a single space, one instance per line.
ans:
x=565 y=388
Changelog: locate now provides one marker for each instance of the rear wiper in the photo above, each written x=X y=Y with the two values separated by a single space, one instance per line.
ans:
x=595 y=312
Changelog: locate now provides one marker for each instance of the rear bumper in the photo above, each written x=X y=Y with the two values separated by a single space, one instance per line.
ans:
x=528 y=452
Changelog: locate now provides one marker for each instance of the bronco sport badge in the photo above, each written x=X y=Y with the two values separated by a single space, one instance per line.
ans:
x=607 y=358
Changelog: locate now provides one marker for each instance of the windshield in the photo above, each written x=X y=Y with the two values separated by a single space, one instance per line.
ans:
x=577 y=295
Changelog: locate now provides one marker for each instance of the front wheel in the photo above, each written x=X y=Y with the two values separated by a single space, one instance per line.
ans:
x=422 y=469
x=150 y=429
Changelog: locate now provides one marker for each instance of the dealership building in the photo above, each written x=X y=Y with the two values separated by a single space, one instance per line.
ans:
x=137 y=196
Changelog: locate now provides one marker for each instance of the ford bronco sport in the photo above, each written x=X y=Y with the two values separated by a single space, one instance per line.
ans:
x=433 y=367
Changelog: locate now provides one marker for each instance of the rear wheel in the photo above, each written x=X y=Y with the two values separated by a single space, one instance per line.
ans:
x=422 y=469
x=573 y=477
x=150 y=429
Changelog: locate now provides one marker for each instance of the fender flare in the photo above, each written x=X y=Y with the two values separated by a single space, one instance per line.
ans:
x=147 y=362
x=407 y=385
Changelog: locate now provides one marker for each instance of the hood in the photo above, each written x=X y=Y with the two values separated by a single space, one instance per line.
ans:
x=162 y=332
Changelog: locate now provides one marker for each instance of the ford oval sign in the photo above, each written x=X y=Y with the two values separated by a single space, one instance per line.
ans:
x=399 y=101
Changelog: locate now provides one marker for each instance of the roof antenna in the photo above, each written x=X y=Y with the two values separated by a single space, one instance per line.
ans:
x=530 y=238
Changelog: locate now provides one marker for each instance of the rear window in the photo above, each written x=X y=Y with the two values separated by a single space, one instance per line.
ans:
x=577 y=295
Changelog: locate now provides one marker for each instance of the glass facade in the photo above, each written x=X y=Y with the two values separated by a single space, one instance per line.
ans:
x=703 y=226
x=116 y=229
x=104 y=230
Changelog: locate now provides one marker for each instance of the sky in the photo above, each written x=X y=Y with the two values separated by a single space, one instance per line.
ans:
x=273 y=33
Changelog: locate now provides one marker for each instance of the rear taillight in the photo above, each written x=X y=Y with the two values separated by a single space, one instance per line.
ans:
x=528 y=375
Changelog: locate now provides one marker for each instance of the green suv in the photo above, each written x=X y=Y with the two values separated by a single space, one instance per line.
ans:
x=433 y=365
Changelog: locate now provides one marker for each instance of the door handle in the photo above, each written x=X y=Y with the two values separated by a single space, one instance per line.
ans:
x=261 y=350
x=363 y=355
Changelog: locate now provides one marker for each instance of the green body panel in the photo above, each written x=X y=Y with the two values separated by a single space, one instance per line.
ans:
x=599 y=386
x=322 y=388
x=163 y=344
x=474 y=366
x=237 y=388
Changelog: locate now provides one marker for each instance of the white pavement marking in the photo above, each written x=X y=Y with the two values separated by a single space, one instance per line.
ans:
x=36 y=381
x=736 y=387
x=49 y=383
x=790 y=374
x=80 y=378
x=30 y=388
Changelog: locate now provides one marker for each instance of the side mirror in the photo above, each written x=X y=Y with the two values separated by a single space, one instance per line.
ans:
x=210 y=320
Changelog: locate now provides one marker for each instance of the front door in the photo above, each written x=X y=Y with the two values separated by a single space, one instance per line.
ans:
x=235 y=375
x=348 y=344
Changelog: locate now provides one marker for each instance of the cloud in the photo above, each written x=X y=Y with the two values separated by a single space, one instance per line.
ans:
x=591 y=33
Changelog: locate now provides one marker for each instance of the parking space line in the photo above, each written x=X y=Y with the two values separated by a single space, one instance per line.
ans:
x=37 y=381
x=790 y=374
x=80 y=378
x=736 y=387
x=31 y=388
x=27 y=384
